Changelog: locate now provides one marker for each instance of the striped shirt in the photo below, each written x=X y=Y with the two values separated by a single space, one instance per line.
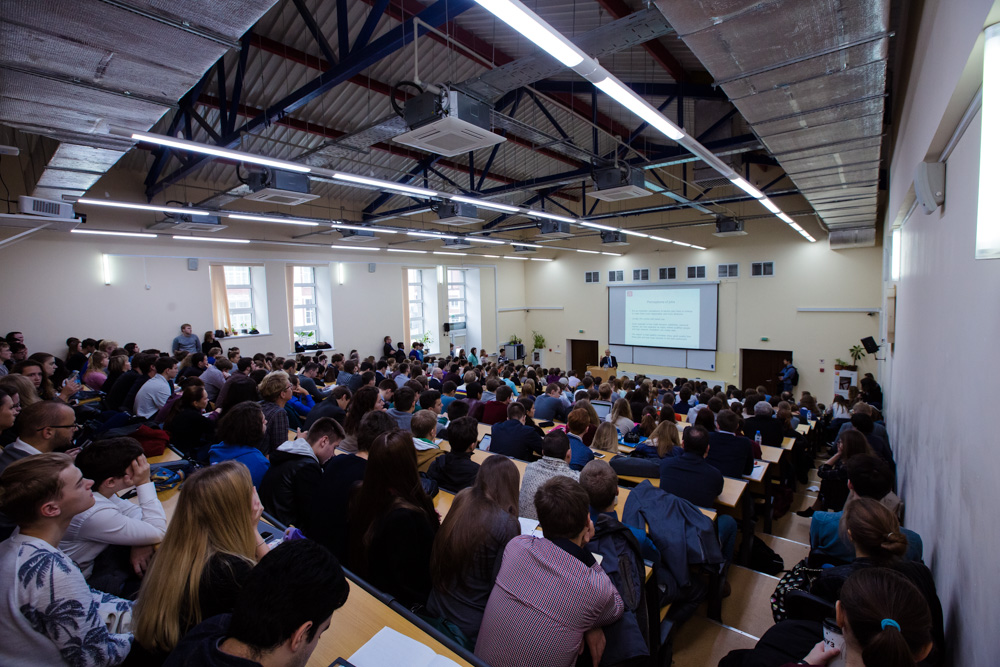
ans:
x=544 y=600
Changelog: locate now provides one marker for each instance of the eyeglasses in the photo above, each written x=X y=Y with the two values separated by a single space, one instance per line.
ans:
x=72 y=426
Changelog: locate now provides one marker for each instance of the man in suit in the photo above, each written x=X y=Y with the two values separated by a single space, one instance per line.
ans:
x=515 y=438
x=731 y=454
x=762 y=421
x=608 y=361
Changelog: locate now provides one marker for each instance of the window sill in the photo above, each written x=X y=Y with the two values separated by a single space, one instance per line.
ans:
x=258 y=335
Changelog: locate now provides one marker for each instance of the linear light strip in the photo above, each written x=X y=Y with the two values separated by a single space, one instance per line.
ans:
x=267 y=218
x=485 y=203
x=104 y=233
x=141 y=207
x=209 y=239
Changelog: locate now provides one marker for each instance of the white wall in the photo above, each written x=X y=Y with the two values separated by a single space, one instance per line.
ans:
x=946 y=324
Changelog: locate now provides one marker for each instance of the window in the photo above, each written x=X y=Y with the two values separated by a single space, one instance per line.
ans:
x=762 y=269
x=239 y=295
x=640 y=274
x=456 y=296
x=305 y=315
x=669 y=273
x=616 y=276
x=729 y=270
x=696 y=272
x=592 y=277
x=415 y=295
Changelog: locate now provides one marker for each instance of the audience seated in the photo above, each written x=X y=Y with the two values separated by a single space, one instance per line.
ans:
x=552 y=585
x=833 y=474
x=555 y=460
x=763 y=422
x=392 y=522
x=240 y=384
x=731 y=454
x=514 y=437
x=364 y=401
x=275 y=391
x=402 y=407
x=154 y=394
x=242 y=431
x=495 y=411
x=551 y=406
x=50 y=615
x=621 y=416
x=456 y=470
x=333 y=406
x=190 y=429
x=577 y=423
x=295 y=470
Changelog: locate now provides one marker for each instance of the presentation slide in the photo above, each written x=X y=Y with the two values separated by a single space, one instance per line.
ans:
x=681 y=317
x=662 y=318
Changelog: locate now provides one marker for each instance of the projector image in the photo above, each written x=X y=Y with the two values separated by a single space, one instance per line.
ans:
x=613 y=238
x=275 y=186
x=728 y=227
x=189 y=223
x=613 y=184
x=457 y=214
x=457 y=244
x=355 y=235
x=448 y=124
x=554 y=229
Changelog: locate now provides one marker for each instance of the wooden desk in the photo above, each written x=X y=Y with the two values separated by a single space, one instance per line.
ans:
x=732 y=489
x=803 y=429
x=169 y=497
x=358 y=620
x=771 y=454
x=788 y=443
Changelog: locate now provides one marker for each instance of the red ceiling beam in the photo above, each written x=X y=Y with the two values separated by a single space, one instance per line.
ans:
x=618 y=9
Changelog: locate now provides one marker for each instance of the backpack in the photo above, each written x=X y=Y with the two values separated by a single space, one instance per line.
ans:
x=794 y=379
x=630 y=636
x=763 y=559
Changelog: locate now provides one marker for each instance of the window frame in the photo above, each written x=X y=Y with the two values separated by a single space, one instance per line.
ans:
x=248 y=286
x=463 y=316
x=415 y=278
x=314 y=307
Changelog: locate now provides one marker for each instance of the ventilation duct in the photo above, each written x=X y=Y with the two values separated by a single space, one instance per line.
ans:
x=861 y=237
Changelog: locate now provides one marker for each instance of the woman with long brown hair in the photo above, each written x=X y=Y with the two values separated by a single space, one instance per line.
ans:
x=469 y=545
x=392 y=522
x=621 y=416
x=364 y=401
x=211 y=545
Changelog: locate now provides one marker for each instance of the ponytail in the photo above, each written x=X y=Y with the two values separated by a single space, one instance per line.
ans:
x=888 y=617
x=875 y=529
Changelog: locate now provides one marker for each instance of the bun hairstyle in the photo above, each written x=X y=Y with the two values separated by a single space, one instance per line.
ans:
x=888 y=617
x=874 y=530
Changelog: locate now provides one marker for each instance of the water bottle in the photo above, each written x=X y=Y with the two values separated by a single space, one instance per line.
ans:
x=758 y=439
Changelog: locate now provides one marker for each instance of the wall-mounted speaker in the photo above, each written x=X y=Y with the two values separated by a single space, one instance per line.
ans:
x=871 y=347
x=928 y=185
x=371 y=267
x=447 y=327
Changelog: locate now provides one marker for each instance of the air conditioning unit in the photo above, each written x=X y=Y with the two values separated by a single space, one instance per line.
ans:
x=356 y=235
x=46 y=207
x=447 y=123
x=523 y=249
x=275 y=186
x=615 y=184
x=457 y=214
x=728 y=227
x=457 y=244
x=554 y=229
x=185 y=222
x=613 y=238
x=859 y=237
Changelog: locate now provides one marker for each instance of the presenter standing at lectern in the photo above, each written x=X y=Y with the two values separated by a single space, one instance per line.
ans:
x=608 y=361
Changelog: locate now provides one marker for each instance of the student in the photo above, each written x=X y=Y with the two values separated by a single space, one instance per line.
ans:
x=600 y=482
x=473 y=398
x=577 y=423
x=423 y=427
x=833 y=489
x=105 y=541
x=402 y=408
x=333 y=406
x=50 y=615
x=621 y=416
x=552 y=586
x=45 y=426
x=285 y=606
x=495 y=411
x=154 y=394
x=448 y=389
x=514 y=437
x=731 y=454
x=241 y=431
x=210 y=547
x=551 y=406
x=275 y=391
x=342 y=475
x=363 y=402
x=392 y=522
x=295 y=470
x=554 y=462
x=468 y=547
x=185 y=341
x=456 y=470
x=190 y=429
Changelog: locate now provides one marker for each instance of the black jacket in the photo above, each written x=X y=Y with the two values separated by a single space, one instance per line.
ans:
x=769 y=427
x=731 y=454
x=290 y=484
x=512 y=438
x=326 y=408
x=454 y=472
x=117 y=392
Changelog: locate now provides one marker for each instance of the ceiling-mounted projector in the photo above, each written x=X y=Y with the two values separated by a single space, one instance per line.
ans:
x=457 y=214
x=728 y=227
x=355 y=235
x=189 y=223
x=447 y=123
x=617 y=183
x=554 y=229
x=613 y=238
x=36 y=213
x=279 y=187
x=523 y=249
x=457 y=244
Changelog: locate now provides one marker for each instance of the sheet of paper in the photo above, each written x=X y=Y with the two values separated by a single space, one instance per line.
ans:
x=528 y=526
x=389 y=647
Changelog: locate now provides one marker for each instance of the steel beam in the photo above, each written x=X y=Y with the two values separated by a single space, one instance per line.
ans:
x=317 y=32
x=404 y=180
x=368 y=29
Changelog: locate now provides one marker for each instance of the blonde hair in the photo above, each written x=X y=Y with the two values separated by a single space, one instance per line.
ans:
x=24 y=388
x=273 y=385
x=621 y=409
x=605 y=438
x=213 y=516
x=665 y=437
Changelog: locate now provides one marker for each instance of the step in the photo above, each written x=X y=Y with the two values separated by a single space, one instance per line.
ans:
x=791 y=552
x=792 y=527
x=748 y=609
x=701 y=642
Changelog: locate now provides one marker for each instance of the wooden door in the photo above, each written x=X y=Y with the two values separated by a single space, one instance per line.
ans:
x=583 y=353
x=761 y=367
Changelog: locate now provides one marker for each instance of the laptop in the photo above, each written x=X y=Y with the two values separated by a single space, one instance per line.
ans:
x=603 y=409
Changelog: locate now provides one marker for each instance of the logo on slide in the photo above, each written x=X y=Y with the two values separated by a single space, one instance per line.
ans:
x=628 y=293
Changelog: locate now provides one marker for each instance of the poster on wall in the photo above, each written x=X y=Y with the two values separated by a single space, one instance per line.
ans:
x=844 y=380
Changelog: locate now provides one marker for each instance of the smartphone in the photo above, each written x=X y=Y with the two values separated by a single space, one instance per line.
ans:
x=73 y=377
x=834 y=638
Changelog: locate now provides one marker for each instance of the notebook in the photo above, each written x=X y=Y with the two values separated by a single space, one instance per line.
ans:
x=389 y=647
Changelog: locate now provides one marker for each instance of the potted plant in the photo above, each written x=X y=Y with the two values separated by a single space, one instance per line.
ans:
x=538 y=340
x=514 y=340
x=304 y=337
x=857 y=352
x=426 y=339
x=839 y=364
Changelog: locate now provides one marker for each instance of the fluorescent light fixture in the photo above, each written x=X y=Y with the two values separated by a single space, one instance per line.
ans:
x=480 y=239
x=808 y=237
x=527 y=245
x=266 y=218
x=660 y=238
x=209 y=239
x=526 y=22
x=785 y=218
x=99 y=232
x=897 y=252
x=515 y=257
x=353 y=247
x=797 y=228
x=639 y=234
x=589 y=252
x=539 y=259
x=416 y=252
x=640 y=107
x=432 y=235
x=698 y=247
x=594 y=225
x=681 y=243
x=483 y=203
x=612 y=254
x=551 y=216
x=769 y=205
x=340 y=272
x=106 y=268
x=141 y=207
x=384 y=185
x=438 y=252
x=747 y=188
x=196 y=147
x=987 y=224
x=359 y=228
